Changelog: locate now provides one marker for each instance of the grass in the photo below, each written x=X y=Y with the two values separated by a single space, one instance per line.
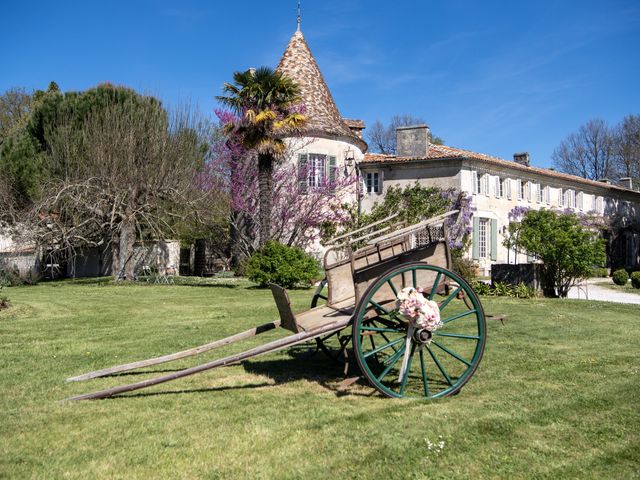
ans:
x=555 y=396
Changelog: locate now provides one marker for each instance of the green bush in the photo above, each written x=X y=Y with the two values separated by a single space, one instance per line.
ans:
x=620 y=277
x=501 y=289
x=466 y=268
x=482 y=288
x=4 y=300
x=635 y=279
x=600 y=272
x=11 y=277
x=286 y=266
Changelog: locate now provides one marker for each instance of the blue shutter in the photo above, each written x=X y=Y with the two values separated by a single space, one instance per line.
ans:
x=476 y=247
x=303 y=173
x=494 y=239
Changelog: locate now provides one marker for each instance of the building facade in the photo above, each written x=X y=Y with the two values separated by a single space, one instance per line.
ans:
x=501 y=191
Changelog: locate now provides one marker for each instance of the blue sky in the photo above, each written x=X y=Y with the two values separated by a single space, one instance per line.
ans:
x=495 y=77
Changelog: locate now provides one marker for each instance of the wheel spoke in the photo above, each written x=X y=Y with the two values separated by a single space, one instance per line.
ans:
x=435 y=286
x=379 y=307
x=403 y=383
x=457 y=315
x=382 y=347
x=457 y=335
x=453 y=354
x=444 y=374
x=449 y=298
x=424 y=374
x=392 y=362
x=414 y=277
x=393 y=287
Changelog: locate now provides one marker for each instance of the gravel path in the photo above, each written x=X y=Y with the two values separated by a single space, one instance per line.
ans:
x=597 y=292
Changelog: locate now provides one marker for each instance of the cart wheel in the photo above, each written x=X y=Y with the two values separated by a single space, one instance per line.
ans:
x=400 y=360
x=332 y=345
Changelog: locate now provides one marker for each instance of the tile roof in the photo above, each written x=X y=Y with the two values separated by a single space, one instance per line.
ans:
x=298 y=63
x=443 y=152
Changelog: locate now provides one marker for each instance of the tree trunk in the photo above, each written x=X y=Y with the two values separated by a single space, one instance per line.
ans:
x=265 y=184
x=126 y=240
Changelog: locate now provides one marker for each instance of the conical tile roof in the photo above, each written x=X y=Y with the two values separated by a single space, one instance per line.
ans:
x=323 y=117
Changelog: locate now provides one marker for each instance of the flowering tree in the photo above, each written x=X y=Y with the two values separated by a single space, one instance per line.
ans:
x=298 y=215
x=267 y=107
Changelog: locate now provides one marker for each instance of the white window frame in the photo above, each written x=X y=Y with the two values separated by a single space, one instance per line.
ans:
x=498 y=187
x=519 y=186
x=317 y=170
x=547 y=194
x=372 y=182
x=507 y=184
x=484 y=185
x=484 y=229
x=475 y=186
x=560 y=197
x=580 y=201
x=539 y=196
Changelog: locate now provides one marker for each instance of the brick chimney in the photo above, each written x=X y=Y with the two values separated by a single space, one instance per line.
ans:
x=412 y=141
x=522 y=158
x=626 y=182
x=605 y=180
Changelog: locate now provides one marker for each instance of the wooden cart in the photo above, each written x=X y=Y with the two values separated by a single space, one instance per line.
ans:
x=366 y=273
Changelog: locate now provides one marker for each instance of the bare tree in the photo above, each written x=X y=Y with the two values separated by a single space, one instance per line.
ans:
x=627 y=147
x=382 y=139
x=6 y=200
x=587 y=153
x=130 y=172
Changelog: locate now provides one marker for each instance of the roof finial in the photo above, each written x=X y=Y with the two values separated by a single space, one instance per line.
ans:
x=298 y=15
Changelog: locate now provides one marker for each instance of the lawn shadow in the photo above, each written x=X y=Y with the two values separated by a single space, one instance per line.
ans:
x=303 y=364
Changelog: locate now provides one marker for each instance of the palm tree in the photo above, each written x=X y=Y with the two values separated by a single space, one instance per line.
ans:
x=265 y=101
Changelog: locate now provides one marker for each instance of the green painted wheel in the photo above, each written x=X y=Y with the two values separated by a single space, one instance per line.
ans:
x=400 y=358
x=332 y=345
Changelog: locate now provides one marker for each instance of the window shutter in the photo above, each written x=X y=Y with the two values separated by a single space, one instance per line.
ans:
x=494 y=239
x=303 y=173
x=332 y=173
x=475 y=253
x=380 y=180
x=474 y=182
x=508 y=184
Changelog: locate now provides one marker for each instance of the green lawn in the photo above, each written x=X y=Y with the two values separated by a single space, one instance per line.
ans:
x=556 y=395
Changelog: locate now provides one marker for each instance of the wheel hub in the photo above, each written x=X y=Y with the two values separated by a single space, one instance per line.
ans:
x=422 y=336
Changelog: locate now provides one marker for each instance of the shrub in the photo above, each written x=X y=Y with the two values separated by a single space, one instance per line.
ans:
x=600 y=272
x=522 y=291
x=11 y=277
x=482 y=288
x=635 y=279
x=502 y=289
x=4 y=300
x=286 y=266
x=620 y=277
x=466 y=268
